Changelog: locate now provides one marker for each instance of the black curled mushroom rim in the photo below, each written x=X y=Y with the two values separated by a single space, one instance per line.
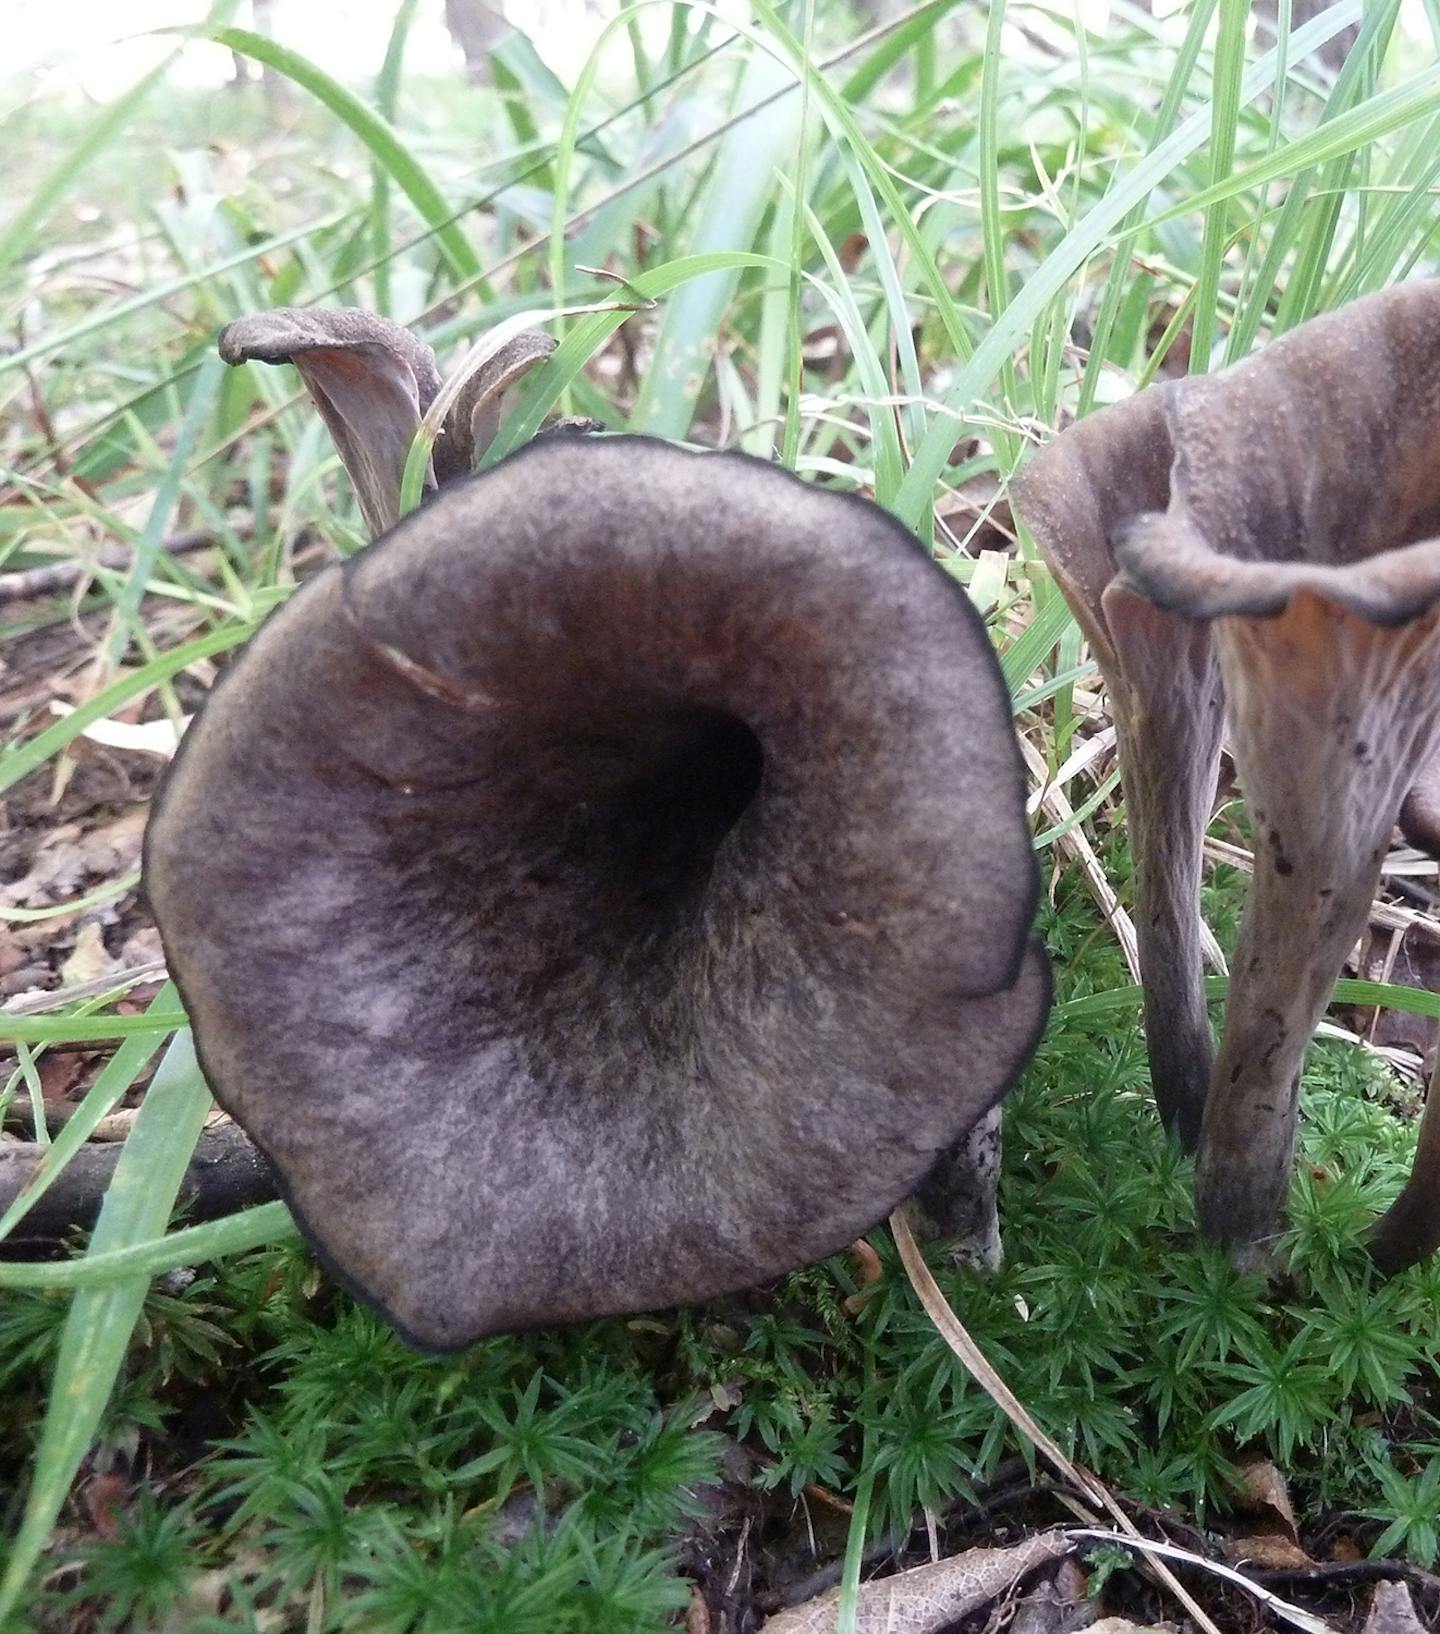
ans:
x=609 y=890
x=1275 y=528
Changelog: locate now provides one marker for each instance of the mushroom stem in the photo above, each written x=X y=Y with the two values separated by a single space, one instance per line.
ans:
x=1168 y=717
x=1330 y=714
x=1409 y=1230
x=1164 y=685
x=958 y=1200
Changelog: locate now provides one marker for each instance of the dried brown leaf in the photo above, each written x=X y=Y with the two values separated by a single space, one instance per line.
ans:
x=1123 y=1625
x=1392 y=1611
x=1263 y=1488
x=1058 y=1605
x=1270 y=1550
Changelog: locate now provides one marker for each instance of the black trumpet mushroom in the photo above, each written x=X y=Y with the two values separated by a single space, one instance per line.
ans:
x=610 y=889
x=372 y=380
x=1276 y=529
x=1165 y=695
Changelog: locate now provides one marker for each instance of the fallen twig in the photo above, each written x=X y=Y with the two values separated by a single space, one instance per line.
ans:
x=1350 y=1571
x=225 y=1174
x=1297 y=1616
x=50 y=580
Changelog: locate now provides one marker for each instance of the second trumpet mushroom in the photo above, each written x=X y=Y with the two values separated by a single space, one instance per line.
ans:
x=1301 y=533
x=1164 y=686
x=1262 y=542
x=372 y=380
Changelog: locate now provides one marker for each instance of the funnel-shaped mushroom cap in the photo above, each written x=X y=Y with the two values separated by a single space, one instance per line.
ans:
x=372 y=381
x=611 y=889
x=1304 y=500
x=1164 y=688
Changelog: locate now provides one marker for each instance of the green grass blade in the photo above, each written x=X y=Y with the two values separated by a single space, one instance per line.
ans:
x=258 y=1227
x=855 y=1537
x=115 y=1077
x=67 y=1029
x=98 y=136
x=857 y=89
x=377 y=134
x=1225 y=116
x=547 y=383
x=66 y=339
x=1367 y=123
x=29 y=757
x=741 y=185
x=885 y=440
x=1028 y=651
x=913 y=503
x=100 y=1322
x=147 y=549
x=387 y=100
x=993 y=234
x=1122 y=293
x=1413 y=1001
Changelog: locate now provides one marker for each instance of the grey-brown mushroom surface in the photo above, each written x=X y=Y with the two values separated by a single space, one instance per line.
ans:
x=372 y=380
x=611 y=889
x=1259 y=546
x=1301 y=529
x=1164 y=685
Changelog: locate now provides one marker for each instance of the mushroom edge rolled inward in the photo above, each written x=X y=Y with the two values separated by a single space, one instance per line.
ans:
x=610 y=890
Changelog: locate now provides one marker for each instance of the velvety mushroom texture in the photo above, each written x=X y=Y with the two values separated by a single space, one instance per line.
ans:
x=372 y=381
x=1305 y=498
x=611 y=889
x=1165 y=696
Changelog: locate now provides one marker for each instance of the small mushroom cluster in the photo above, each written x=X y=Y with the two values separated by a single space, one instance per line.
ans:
x=1259 y=550
x=612 y=887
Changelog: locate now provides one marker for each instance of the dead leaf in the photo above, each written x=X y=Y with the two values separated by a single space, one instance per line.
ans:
x=725 y=1397
x=115 y=847
x=1123 y=1625
x=1058 y=1605
x=60 y=1073
x=1272 y=1540
x=1269 y=1550
x=1392 y=1611
x=1263 y=1487
x=104 y=1500
x=70 y=860
x=927 y=1598
x=979 y=513
x=142 y=948
x=89 y=962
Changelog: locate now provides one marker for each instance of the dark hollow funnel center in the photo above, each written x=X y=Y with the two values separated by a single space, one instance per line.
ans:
x=695 y=776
